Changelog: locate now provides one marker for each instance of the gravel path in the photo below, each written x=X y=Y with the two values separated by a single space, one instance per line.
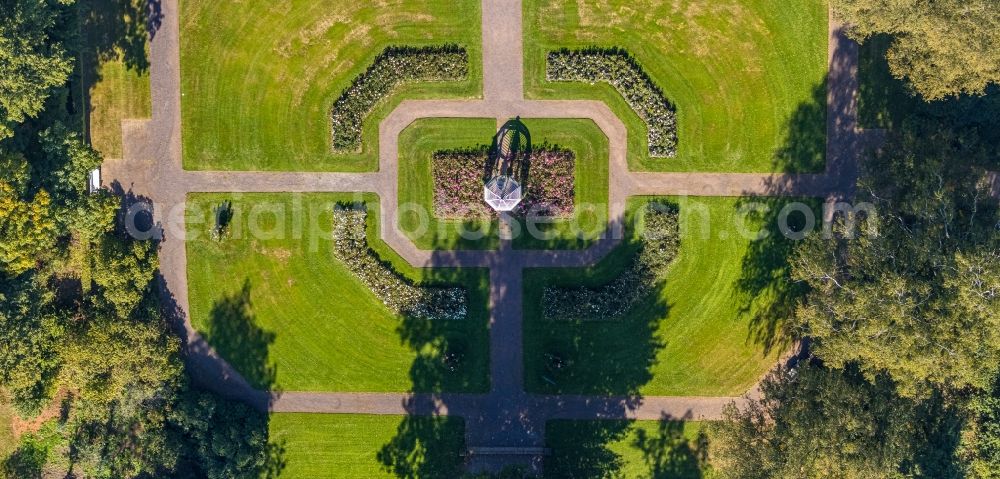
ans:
x=152 y=173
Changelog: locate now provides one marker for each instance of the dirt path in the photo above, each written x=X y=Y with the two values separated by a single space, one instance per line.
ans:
x=506 y=417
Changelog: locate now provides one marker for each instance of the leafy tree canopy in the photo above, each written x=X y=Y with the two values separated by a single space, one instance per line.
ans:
x=943 y=47
x=27 y=229
x=123 y=271
x=31 y=332
x=917 y=294
x=815 y=422
x=31 y=63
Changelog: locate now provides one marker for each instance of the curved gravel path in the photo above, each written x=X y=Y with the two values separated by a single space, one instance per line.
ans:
x=507 y=416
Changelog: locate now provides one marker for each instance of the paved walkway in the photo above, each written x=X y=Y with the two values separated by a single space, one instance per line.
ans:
x=505 y=417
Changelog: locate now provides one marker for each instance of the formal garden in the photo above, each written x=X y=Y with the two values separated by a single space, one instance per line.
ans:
x=676 y=310
x=572 y=174
x=269 y=238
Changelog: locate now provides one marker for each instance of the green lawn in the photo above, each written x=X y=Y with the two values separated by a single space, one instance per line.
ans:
x=114 y=69
x=704 y=334
x=747 y=76
x=670 y=449
x=259 y=77
x=424 y=137
x=121 y=94
x=340 y=446
x=287 y=314
x=417 y=145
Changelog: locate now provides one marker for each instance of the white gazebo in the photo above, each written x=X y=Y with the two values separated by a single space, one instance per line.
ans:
x=502 y=193
x=507 y=161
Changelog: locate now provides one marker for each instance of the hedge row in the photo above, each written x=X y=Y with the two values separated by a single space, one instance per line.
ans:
x=622 y=71
x=399 y=294
x=393 y=67
x=613 y=300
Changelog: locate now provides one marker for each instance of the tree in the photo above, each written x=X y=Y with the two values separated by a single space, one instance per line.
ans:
x=31 y=64
x=943 y=47
x=815 y=422
x=123 y=270
x=917 y=293
x=67 y=161
x=224 y=438
x=125 y=375
x=27 y=229
x=31 y=332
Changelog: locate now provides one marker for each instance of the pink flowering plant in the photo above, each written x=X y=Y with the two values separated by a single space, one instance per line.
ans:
x=459 y=175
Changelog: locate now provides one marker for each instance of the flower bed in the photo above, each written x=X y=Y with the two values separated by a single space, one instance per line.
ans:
x=391 y=68
x=398 y=294
x=617 y=67
x=459 y=177
x=615 y=299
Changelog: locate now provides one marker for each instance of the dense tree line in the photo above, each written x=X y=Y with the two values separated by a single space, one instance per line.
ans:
x=903 y=314
x=903 y=306
x=80 y=324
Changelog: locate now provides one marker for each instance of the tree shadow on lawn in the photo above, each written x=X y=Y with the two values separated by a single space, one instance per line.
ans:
x=426 y=444
x=804 y=148
x=451 y=355
x=766 y=293
x=113 y=30
x=233 y=331
x=581 y=449
x=612 y=357
x=232 y=387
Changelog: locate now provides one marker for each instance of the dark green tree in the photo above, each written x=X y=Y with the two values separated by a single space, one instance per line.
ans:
x=123 y=270
x=32 y=64
x=31 y=332
x=815 y=422
x=225 y=439
x=917 y=292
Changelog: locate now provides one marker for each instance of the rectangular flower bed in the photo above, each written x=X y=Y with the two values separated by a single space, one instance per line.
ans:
x=459 y=175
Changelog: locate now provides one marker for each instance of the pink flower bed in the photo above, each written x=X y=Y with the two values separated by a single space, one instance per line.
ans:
x=458 y=184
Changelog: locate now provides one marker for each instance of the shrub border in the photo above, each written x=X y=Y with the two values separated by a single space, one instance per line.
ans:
x=395 y=66
x=617 y=67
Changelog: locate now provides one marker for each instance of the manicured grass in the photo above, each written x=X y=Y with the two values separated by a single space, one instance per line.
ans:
x=288 y=315
x=259 y=77
x=342 y=446
x=747 y=76
x=706 y=333
x=114 y=69
x=417 y=145
x=122 y=93
x=671 y=449
x=423 y=138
